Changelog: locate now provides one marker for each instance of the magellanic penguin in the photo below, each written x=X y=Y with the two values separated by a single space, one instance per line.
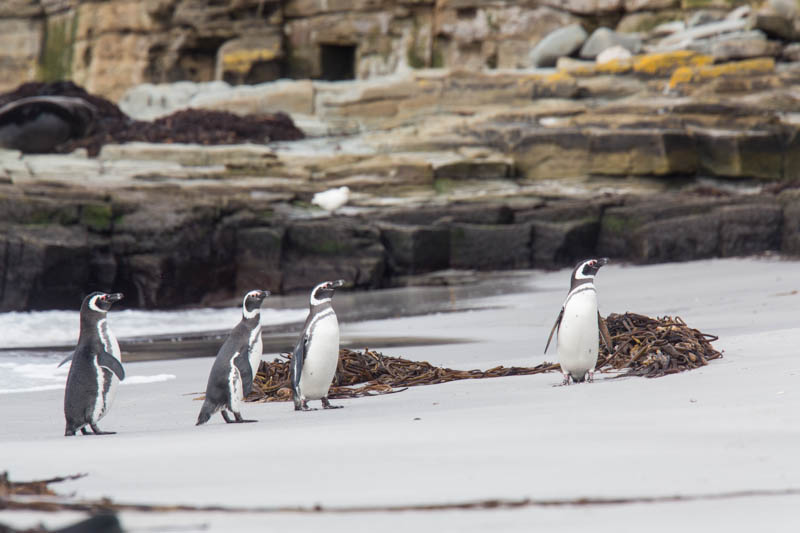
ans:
x=579 y=323
x=233 y=371
x=96 y=368
x=316 y=354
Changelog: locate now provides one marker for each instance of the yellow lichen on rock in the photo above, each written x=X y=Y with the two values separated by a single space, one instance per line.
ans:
x=615 y=66
x=664 y=64
x=241 y=60
x=748 y=67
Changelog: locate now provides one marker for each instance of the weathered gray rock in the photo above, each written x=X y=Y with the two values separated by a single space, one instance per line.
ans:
x=649 y=5
x=485 y=247
x=791 y=52
x=561 y=42
x=651 y=230
x=737 y=45
x=604 y=38
x=750 y=229
x=258 y=259
x=790 y=234
x=703 y=16
x=681 y=239
x=559 y=244
x=44 y=267
x=756 y=153
x=416 y=249
x=680 y=40
x=334 y=248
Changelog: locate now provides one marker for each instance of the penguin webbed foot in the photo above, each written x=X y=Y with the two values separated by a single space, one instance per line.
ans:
x=97 y=431
x=566 y=380
x=240 y=420
x=237 y=418
x=327 y=405
x=590 y=376
x=302 y=405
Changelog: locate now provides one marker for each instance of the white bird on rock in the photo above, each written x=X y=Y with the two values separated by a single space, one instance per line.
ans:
x=332 y=199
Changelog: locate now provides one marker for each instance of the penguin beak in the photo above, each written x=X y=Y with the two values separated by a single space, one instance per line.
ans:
x=115 y=297
x=336 y=284
x=264 y=294
x=602 y=261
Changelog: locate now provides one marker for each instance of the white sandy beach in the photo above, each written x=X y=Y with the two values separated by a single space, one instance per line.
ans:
x=731 y=426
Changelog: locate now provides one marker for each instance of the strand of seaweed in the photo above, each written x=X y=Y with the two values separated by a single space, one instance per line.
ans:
x=105 y=505
x=642 y=346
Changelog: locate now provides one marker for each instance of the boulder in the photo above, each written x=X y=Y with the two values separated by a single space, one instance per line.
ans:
x=605 y=38
x=633 y=231
x=44 y=267
x=790 y=234
x=258 y=259
x=490 y=247
x=676 y=239
x=560 y=244
x=749 y=229
x=615 y=53
x=416 y=249
x=562 y=42
x=749 y=154
x=334 y=248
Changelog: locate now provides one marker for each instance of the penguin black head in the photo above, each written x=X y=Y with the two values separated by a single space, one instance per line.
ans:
x=324 y=291
x=585 y=271
x=99 y=302
x=251 y=304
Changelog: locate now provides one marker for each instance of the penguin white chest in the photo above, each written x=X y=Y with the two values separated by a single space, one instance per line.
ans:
x=256 y=347
x=578 y=334
x=322 y=356
x=107 y=381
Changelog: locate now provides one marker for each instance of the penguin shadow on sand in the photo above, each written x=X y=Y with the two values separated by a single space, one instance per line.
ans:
x=579 y=324
x=236 y=364
x=96 y=368
x=316 y=354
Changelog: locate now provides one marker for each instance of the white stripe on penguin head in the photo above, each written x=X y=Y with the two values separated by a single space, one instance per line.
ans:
x=93 y=303
x=313 y=299
x=579 y=271
x=245 y=312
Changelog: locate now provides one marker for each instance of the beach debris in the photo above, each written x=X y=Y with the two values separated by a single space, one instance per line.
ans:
x=376 y=374
x=103 y=508
x=642 y=346
x=39 y=487
x=653 y=347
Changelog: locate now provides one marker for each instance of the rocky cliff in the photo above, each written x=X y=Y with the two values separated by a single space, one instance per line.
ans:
x=647 y=131
x=111 y=45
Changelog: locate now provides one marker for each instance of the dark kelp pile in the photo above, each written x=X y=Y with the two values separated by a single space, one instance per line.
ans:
x=643 y=346
x=654 y=347
x=196 y=126
x=376 y=373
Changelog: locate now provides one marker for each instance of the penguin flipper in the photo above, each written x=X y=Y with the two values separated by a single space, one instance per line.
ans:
x=555 y=327
x=66 y=360
x=243 y=364
x=112 y=363
x=298 y=358
x=604 y=333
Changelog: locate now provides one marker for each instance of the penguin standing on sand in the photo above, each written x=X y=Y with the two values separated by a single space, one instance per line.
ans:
x=579 y=324
x=96 y=368
x=316 y=355
x=235 y=367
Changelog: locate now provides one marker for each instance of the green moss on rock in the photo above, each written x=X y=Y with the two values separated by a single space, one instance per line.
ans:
x=55 y=59
x=97 y=217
